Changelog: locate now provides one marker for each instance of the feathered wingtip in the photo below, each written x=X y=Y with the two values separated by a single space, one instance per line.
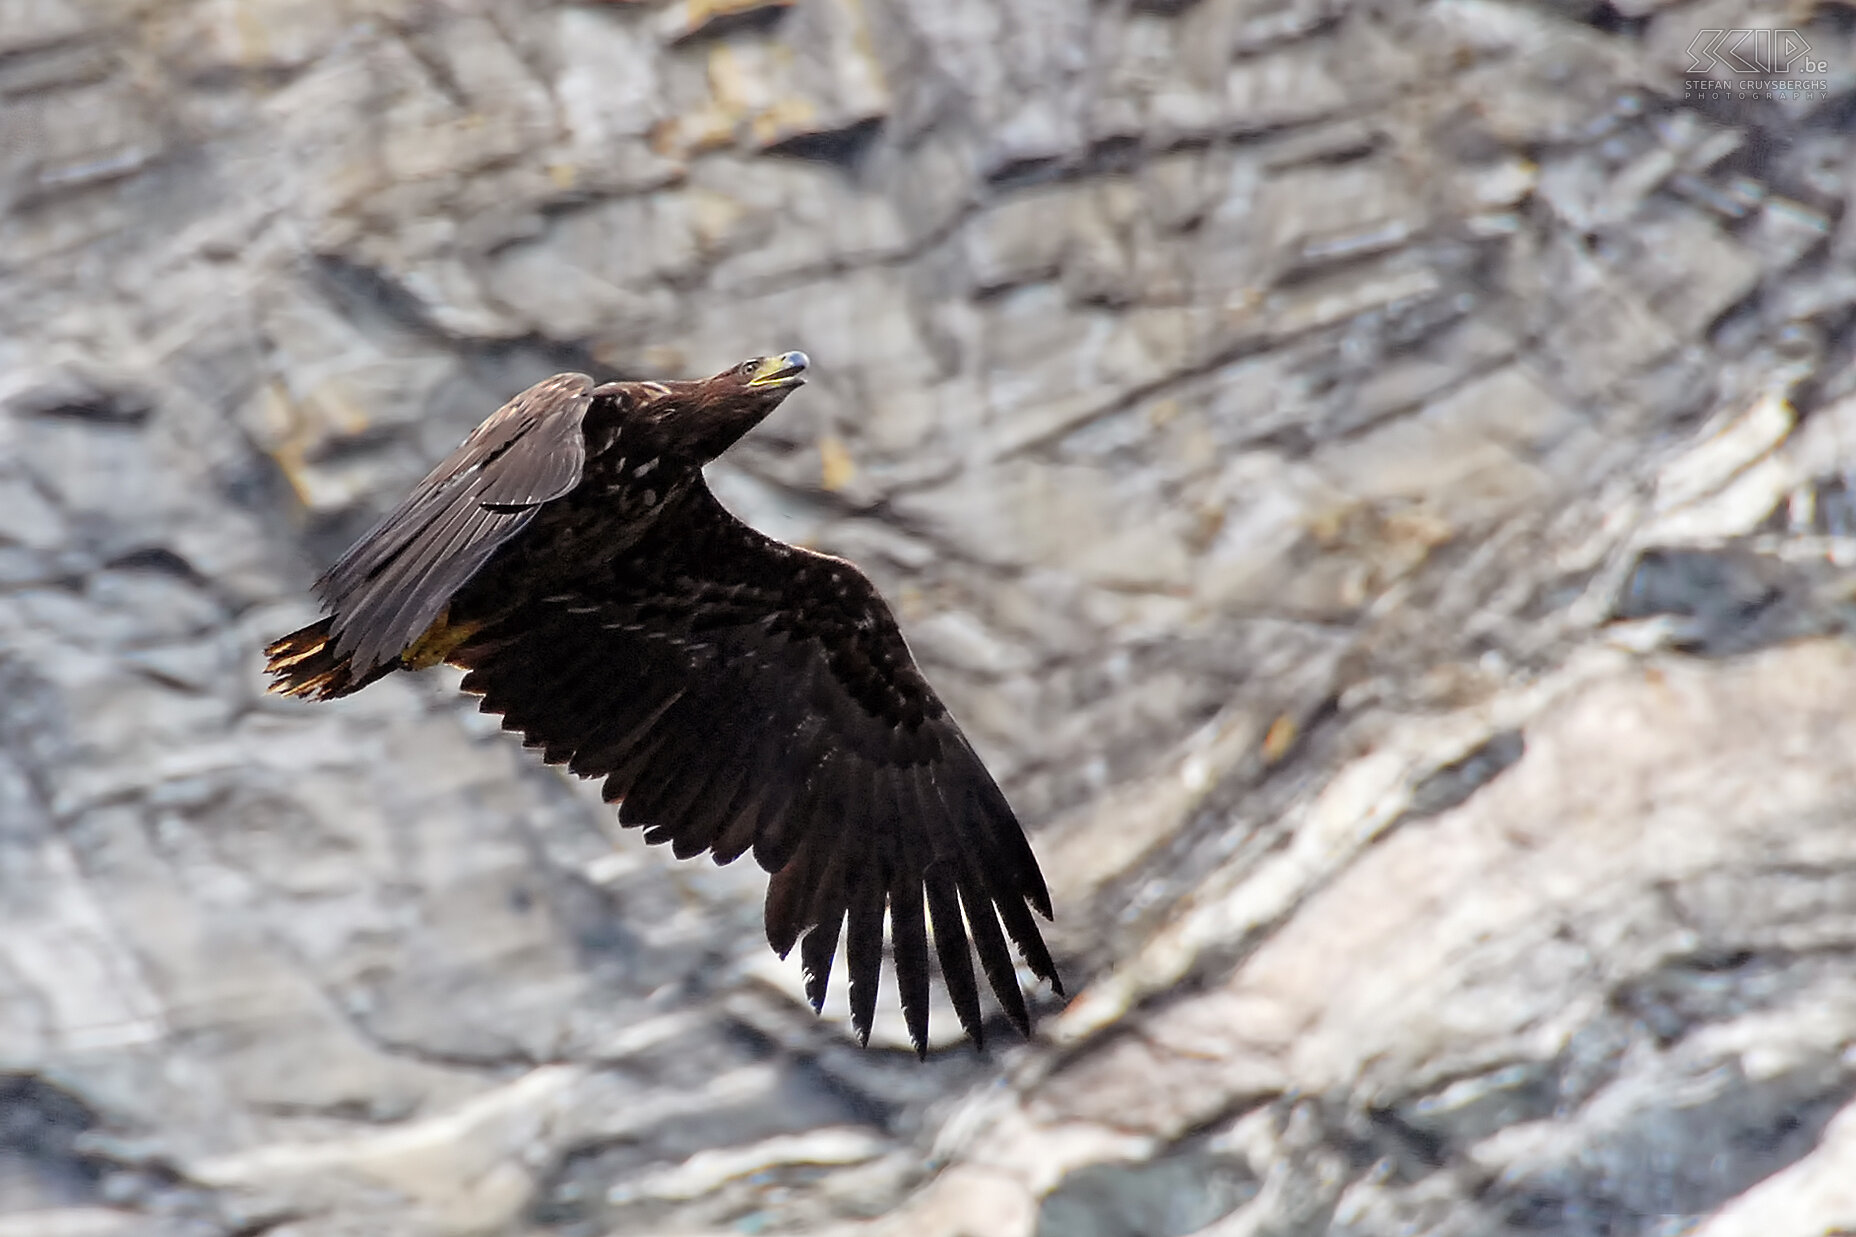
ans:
x=304 y=664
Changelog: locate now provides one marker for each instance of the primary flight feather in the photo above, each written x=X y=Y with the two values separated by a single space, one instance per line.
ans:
x=735 y=693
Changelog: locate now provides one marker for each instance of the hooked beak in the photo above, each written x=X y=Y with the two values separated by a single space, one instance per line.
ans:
x=781 y=372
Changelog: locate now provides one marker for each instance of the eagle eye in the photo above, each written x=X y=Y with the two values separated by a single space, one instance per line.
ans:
x=746 y=368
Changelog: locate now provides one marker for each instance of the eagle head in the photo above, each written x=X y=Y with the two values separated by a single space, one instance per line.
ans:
x=697 y=421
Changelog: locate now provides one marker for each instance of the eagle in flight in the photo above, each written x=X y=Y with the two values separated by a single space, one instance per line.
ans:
x=735 y=693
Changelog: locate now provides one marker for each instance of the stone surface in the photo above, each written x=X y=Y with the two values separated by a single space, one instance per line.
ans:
x=1375 y=482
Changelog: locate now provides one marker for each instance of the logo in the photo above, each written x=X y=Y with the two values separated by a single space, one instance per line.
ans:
x=1752 y=53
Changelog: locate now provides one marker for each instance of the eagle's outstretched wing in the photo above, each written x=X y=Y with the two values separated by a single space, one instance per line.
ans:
x=393 y=582
x=737 y=693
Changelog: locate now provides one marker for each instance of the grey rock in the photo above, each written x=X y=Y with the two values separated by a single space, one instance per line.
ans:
x=1374 y=484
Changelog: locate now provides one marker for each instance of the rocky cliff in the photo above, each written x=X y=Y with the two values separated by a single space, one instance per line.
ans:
x=1375 y=480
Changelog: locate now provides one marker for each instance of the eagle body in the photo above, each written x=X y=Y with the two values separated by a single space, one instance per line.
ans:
x=734 y=693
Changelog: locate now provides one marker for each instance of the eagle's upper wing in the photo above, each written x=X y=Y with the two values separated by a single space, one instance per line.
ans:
x=738 y=693
x=392 y=583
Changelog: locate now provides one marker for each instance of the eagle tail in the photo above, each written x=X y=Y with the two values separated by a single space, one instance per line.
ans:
x=305 y=664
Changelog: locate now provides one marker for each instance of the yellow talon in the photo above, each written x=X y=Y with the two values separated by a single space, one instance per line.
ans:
x=436 y=643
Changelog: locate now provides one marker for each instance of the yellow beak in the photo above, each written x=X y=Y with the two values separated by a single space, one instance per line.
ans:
x=784 y=370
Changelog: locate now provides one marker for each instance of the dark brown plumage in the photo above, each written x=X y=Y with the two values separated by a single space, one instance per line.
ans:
x=735 y=693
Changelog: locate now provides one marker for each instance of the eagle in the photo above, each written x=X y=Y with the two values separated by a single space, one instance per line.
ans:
x=735 y=693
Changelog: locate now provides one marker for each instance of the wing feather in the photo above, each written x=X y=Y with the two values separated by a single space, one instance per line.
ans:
x=995 y=958
x=790 y=894
x=614 y=737
x=410 y=586
x=864 y=942
x=753 y=696
x=784 y=819
x=695 y=830
x=625 y=773
x=950 y=947
x=397 y=579
x=909 y=942
x=829 y=876
x=736 y=831
x=820 y=946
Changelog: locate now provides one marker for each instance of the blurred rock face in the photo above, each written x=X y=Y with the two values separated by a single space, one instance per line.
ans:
x=1373 y=483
